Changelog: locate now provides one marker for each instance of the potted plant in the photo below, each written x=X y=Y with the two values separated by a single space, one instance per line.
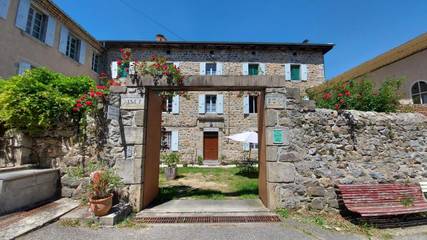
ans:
x=101 y=187
x=171 y=160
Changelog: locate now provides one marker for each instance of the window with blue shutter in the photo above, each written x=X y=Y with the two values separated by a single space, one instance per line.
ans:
x=4 y=8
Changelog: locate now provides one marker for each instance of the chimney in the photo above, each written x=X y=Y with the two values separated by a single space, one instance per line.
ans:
x=160 y=38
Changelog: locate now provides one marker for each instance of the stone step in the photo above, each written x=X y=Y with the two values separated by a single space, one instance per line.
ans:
x=17 y=224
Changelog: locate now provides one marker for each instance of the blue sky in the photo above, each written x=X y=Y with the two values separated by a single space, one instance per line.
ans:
x=361 y=29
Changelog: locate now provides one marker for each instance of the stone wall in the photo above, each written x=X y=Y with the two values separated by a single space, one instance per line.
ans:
x=324 y=148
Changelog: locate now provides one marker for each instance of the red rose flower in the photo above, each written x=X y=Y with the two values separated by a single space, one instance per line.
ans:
x=78 y=101
x=100 y=87
x=75 y=109
x=347 y=93
x=340 y=95
x=342 y=101
x=337 y=106
x=89 y=103
x=79 y=105
x=99 y=93
x=92 y=94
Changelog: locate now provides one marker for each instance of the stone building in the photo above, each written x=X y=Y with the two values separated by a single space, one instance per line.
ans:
x=196 y=125
x=36 y=33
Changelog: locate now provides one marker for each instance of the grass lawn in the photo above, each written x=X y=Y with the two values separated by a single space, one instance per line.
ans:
x=209 y=183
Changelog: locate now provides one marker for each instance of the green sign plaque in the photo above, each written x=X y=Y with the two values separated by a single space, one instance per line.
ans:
x=278 y=136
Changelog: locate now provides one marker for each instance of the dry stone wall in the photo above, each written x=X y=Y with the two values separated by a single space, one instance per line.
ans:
x=325 y=148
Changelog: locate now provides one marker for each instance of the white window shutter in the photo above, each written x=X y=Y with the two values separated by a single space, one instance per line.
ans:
x=202 y=68
x=288 y=71
x=50 y=31
x=4 y=8
x=219 y=67
x=175 y=104
x=22 y=14
x=23 y=66
x=246 y=146
x=176 y=64
x=220 y=104
x=246 y=104
x=245 y=69
x=174 y=140
x=202 y=99
x=304 y=72
x=82 y=52
x=132 y=67
x=63 y=39
x=114 y=69
x=262 y=68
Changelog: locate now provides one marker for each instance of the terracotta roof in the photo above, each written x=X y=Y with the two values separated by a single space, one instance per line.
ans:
x=407 y=49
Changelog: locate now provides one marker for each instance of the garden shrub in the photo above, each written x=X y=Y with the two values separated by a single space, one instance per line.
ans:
x=358 y=95
x=39 y=99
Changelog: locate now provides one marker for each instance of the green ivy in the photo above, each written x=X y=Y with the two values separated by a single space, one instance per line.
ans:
x=39 y=99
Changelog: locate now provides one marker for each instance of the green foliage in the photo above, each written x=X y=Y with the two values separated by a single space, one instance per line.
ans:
x=283 y=212
x=171 y=159
x=39 y=99
x=103 y=183
x=358 y=95
x=200 y=160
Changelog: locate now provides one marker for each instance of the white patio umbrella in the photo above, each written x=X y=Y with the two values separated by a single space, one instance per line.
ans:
x=245 y=137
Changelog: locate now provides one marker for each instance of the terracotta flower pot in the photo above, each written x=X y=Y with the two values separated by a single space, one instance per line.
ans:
x=100 y=207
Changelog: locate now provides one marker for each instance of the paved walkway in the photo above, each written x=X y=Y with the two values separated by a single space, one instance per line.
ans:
x=255 y=231
x=207 y=208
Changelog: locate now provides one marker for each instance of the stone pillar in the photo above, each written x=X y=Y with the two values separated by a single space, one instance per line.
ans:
x=19 y=150
x=125 y=139
x=281 y=173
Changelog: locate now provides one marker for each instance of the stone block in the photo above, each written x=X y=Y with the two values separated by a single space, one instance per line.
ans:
x=139 y=118
x=294 y=93
x=272 y=117
x=290 y=157
x=275 y=101
x=316 y=191
x=132 y=102
x=118 y=213
x=280 y=172
x=134 y=135
x=272 y=153
x=317 y=204
x=118 y=89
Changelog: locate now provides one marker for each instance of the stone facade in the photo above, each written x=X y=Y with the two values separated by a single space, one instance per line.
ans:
x=191 y=125
x=326 y=148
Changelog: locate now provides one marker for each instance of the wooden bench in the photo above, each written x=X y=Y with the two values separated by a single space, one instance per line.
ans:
x=383 y=199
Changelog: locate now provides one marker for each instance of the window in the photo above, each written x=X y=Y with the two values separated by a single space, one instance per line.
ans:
x=73 y=47
x=36 y=24
x=210 y=103
x=167 y=104
x=253 y=104
x=419 y=93
x=253 y=69
x=253 y=145
x=95 y=62
x=210 y=68
x=166 y=143
x=295 y=72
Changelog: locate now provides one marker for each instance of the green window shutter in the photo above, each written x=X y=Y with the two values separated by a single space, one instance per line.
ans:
x=295 y=72
x=253 y=69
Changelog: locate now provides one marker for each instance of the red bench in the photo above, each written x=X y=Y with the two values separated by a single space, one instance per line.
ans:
x=383 y=199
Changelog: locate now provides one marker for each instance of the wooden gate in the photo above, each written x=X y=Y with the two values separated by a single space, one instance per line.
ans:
x=152 y=148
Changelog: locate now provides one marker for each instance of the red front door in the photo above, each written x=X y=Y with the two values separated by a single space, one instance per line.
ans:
x=210 y=145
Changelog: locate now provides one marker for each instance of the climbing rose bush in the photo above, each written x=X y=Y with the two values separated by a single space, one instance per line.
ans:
x=358 y=95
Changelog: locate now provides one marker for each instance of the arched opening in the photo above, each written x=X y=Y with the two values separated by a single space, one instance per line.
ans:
x=419 y=92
